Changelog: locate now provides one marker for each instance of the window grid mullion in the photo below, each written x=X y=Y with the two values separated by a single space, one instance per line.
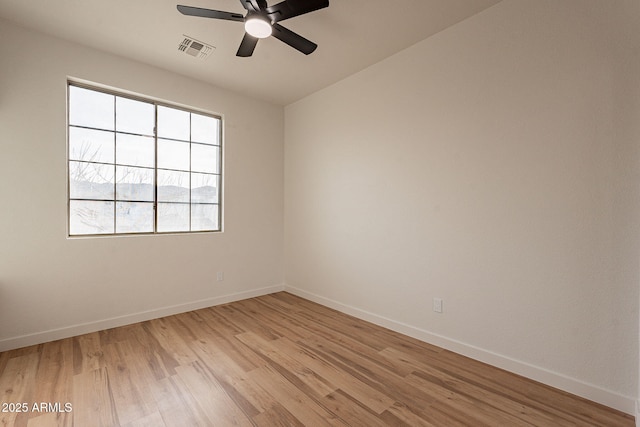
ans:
x=115 y=177
x=108 y=130
x=155 y=170
x=115 y=165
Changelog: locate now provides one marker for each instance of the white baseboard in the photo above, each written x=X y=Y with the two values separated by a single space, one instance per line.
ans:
x=588 y=391
x=85 y=328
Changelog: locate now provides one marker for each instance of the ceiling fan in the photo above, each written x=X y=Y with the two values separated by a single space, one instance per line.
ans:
x=261 y=21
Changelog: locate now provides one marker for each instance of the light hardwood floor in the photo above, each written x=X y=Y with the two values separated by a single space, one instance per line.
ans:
x=276 y=360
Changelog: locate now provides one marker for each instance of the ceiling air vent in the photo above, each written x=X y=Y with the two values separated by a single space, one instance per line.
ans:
x=195 y=48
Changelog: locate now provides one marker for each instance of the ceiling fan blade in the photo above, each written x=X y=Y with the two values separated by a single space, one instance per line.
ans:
x=209 y=13
x=294 y=40
x=247 y=46
x=290 y=8
x=251 y=5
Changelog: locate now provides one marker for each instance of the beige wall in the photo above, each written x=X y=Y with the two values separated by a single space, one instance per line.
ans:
x=49 y=282
x=494 y=165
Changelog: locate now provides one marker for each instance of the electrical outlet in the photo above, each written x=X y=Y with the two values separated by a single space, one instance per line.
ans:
x=437 y=305
x=220 y=276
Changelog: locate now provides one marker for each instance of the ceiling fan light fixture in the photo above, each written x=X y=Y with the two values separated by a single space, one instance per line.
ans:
x=258 y=27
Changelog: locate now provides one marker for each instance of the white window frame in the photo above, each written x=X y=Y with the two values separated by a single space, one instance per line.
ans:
x=156 y=104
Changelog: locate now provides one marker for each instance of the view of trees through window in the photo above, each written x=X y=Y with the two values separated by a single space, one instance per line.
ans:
x=136 y=166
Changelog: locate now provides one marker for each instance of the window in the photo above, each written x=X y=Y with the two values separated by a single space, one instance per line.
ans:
x=138 y=166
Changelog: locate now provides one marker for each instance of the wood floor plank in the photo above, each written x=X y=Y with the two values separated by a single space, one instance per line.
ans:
x=51 y=419
x=521 y=392
x=335 y=331
x=17 y=384
x=152 y=420
x=483 y=414
x=352 y=411
x=131 y=403
x=4 y=359
x=303 y=407
x=401 y=413
x=25 y=351
x=274 y=360
x=87 y=353
x=54 y=379
x=373 y=399
x=487 y=396
x=251 y=400
x=246 y=323
x=171 y=341
x=288 y=366
x=211 y=397
x=55 y=372
x=145 y=352
x=216 y=316
x=370 y=373
x=114 y=335
x=277 y=416
x=281 y=322
x=93 y=402
x=176 y=405
x=223 y=337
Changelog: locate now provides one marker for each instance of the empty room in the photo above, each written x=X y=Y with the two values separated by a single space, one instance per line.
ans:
x=312 y=212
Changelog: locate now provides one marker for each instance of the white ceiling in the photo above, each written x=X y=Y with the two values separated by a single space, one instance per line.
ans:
x=351 y=35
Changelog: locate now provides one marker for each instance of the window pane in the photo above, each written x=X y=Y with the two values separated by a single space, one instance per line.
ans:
x=204 y=217
x=173 y=217
x=173 y=123
x=204 y=129
x=135 y=150
x=90 y=181
x=134 y=217
x=134 y=116
x=204 y=158
x=89 y=217
x=134 y=184
x=173 y=186
x=137 y=167
x=173 y=155
x=90 y=108
x=204 y=188
x=90 y=145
